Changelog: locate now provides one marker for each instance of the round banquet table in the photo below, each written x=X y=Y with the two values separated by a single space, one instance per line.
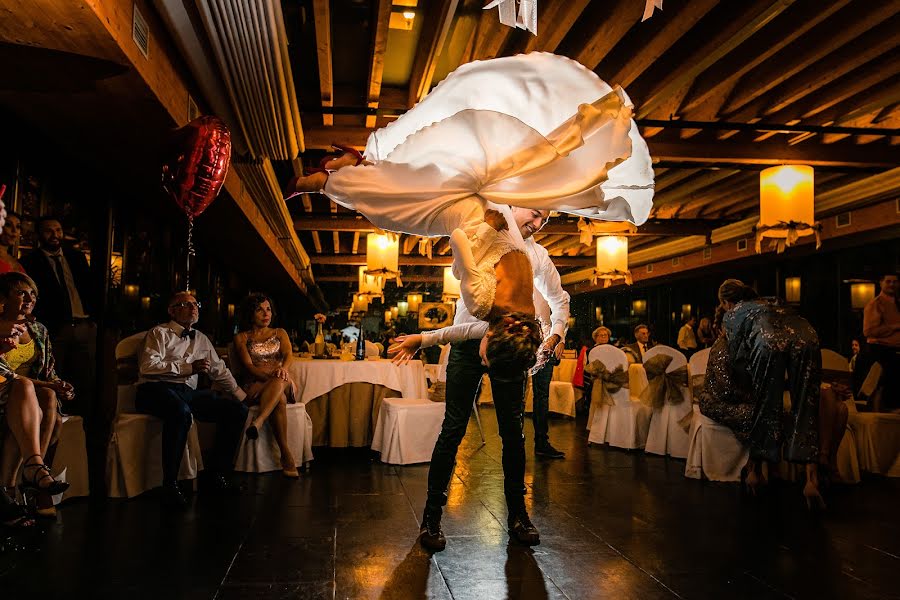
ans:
x=343 y=398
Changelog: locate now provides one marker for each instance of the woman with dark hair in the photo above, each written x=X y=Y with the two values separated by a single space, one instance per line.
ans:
x=9 y=237
x=264 y=354
x=29 y=393
x=705 y=334
x=745 y=379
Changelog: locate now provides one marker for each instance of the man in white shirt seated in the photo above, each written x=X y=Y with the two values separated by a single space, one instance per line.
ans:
x=172 y=356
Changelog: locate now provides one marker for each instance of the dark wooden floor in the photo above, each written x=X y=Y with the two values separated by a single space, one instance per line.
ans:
x=613 y=525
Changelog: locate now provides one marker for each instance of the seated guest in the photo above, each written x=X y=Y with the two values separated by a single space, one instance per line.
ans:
x=23 y=416
x=642 y=343
x=264 y=354
x=172 y=356
x=9 y=237
x=601 y=336
x=32 y=358
x=860 y=363
x=881 y=326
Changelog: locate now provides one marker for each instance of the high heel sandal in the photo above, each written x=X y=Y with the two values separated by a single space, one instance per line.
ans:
x=346 y=150
x=55 y=487
x=252 y=433
x=814 y=499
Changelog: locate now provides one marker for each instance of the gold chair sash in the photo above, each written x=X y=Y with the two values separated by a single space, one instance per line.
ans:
x=606 y=383
x=663 y=387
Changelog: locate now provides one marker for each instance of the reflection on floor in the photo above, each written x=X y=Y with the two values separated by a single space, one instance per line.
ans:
x=613 y=524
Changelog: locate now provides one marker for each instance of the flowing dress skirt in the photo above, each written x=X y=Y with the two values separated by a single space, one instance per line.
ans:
x=534 y=130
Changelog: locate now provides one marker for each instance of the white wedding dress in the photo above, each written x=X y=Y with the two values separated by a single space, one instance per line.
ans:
x=534 y=130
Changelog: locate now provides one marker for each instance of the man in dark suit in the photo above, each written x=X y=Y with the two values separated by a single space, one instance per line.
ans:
x=66 y=300
x=635 y=351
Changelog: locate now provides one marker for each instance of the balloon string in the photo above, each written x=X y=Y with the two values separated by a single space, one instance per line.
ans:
x=190 y=253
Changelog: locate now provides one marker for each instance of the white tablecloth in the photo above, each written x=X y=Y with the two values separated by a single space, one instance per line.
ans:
x=565 y=370
x=317 y=377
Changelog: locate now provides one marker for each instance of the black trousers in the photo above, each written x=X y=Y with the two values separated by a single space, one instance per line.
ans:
x=540 y=387
x=889 y=358
x=177 y=405
x=464 y=371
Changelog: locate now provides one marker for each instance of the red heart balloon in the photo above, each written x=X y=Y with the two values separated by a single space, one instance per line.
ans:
x=198 y=163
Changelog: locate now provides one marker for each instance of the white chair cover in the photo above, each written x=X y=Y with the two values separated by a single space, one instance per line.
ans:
x=833 y=361
x=562 y=398
x=134 y=451
x=70 y=462
x=713 y=451
x=666 y=435
x=262 y=455
x=407 y=430
x=625 y=424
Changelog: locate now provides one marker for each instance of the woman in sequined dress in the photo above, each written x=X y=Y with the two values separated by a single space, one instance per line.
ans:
x=264 y=353
x=745 y=381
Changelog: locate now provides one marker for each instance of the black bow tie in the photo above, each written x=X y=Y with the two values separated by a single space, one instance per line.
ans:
x=188 y=333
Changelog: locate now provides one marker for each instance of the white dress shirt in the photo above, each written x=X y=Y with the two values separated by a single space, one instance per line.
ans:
x=166 y=356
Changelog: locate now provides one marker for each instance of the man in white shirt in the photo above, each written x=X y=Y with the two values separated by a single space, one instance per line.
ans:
x=464 y=372
x=687 y=341
x=171 y=358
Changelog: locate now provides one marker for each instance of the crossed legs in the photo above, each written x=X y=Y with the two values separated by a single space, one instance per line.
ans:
x=273 y=403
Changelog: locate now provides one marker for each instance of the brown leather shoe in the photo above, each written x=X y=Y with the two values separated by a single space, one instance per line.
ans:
x=523 y=530
x=430 y=534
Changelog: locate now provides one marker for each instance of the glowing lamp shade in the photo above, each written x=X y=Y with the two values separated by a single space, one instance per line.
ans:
x=792 y=289
x=387 y=316
x=598 y=313
x=612 y=259
x=451 y=284
x=685 y=311
x=382 y=256
x=145 y=303
x=861 y=294
x=786 y=205
x=414 y=300
x=369 y=285
x=360 y=303
x=131 y=290
x=402 y=308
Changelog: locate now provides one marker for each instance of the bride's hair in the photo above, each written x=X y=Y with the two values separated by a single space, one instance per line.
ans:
x=512 y=347
x=733 y=291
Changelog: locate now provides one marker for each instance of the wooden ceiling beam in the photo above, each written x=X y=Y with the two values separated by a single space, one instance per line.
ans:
x=609 y=22
x=438 y=19
x=722 y=77
x=720 y=44
x=774 y=153
x=376 y=66
x=674 y=29
x=555 y=19
x=322 y=20
x=489 y=37
x=671 y=200
x=355 y=279
x=351 y=222
x=354 y=260
x=846 y=27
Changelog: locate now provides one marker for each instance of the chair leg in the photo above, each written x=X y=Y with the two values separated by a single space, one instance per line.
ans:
x=478 y=420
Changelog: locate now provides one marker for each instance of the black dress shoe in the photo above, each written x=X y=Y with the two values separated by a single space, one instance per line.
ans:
x=548 y=451
x=172 y=497
x=523 y=530
x=430 y=534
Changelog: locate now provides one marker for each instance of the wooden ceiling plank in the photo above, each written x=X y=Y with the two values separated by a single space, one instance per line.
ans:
x=774 y=152
x=722 y=77
x=555 y=19
x=438 y=19
x=820 y=74
x=376 y=66
x=675 y=28
x=355 y=247
x=613 y=20
x=336 y=240
x=317 y=243
x=841 y=30
x=410 y=242
x=670 y=204
x=322 y=20
x=717 y=47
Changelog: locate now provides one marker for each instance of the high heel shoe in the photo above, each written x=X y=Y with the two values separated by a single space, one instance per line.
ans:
x=811 y=494
x=291 y=189
x=252 y=433
x=41 y=472
x=348 y=150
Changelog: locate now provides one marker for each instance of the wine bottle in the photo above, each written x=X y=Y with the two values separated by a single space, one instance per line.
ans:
x=361 y=345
